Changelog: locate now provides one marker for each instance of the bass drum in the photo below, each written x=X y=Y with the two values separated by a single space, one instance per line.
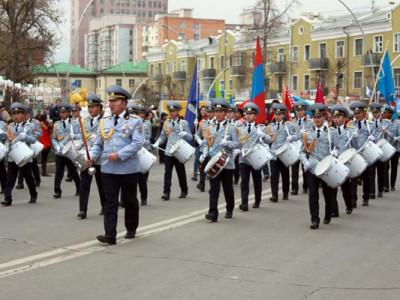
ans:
x=332 y=171
x=216 y=164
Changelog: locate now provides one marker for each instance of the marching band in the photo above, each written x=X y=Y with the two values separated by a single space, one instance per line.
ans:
x=116 y=150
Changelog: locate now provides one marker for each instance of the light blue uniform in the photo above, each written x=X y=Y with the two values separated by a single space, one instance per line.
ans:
x=71 y=127
x=24 y=127
x=147 y=134
x=366 y=130
x=281 y=135
x=341 y=141
x=173 y=129
x=127 y=140
x=248 y=140
x=93 y=131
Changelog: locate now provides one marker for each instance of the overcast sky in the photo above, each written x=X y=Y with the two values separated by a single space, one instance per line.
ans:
x=229 y=10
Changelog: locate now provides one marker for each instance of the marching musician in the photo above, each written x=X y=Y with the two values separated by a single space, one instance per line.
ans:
x=393 y=136
x=379 y=124
x=343 y=140
x=231 y=118
x=279 y=132
x=362 y=134
x=221 y=136
x=250 y=134
x=173 y=130
x=3 y=171
x=38 y=134
x=301 y=123
x=19 y=131
x=202 y=116
x=201 y=133
x=315 y=148
x=118 y=144
x=65 y=131
x=90 y=127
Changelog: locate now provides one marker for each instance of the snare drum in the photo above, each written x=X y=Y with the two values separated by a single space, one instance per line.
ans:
x=3 y=151
x=370 y=152
x=257 y=156
x=288 y=154
x=332 y=171
x=354 y=161
x=387 y=149
x=146 y=160
x=216 y=164
x=21 y=154
x=37 y=147
x=78 y=157
x=182 y=151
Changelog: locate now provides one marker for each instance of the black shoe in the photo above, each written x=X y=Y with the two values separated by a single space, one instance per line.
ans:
x=372 y=196
x=143 y=202
x=305 y=191
x=1 y=192
x=121 y=204
x=37 y=184
x=6 y=203
x=314 y=225
x=349 y=211
x=285 y=197
x=273 y=199
x=182 y=195
x=68 y=179
x=165 y=197
x=130 y=234
x=354 y=203
x=111 y=240
x=380 y=195
x=327 y=220
x=244 y=207
x=236 y=182
x=77 y=193
x=211 y=218
x=256 y=205
x=56 y=196
x=82 y=215
x=386 y=189
x=19 y=186
x=294 y=193
x=365 y=203
x=335 y=215
x=194 y=178
x=200 y=187
x=392 y=189
x=32 y=200
x=228 y=215
x=101 y=213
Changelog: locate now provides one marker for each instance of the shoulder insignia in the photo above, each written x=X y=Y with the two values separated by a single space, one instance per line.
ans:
x=349 y=126
x=108 y=117
x=332 y=128
x=371 y=122
x=386 y=120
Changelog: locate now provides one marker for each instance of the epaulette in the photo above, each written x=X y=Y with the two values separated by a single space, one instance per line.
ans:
x=386 y=120
x=371 y=122
x=397 y=120
x=288 y=122
x=349 y=126
x=332 y=128
x=72 y=120
x=108 y=117
x=134 y=116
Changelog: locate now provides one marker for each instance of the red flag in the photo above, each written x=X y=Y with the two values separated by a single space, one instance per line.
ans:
x=287 y=100
x=319 y=97
x=271 y=115
x=241 y=105
x=257 y=87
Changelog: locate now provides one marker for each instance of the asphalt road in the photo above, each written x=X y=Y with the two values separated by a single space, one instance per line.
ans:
x=46 y=252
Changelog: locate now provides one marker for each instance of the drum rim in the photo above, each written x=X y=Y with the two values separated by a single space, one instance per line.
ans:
x=279 y=151
x=328 y=168
x=354 y=151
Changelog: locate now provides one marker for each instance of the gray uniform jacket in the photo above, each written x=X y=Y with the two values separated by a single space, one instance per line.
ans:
x=248 y=140
x=61 y=135
x=366 y=130
x=92 y=131
x=170 y=133
x=341 y=141
x=24 y=127
x=38 y=129
x=147 y=134
x=394 y=131
x=277 y=137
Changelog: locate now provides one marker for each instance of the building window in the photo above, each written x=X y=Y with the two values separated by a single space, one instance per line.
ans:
x=281 y=54
x=159 y=68
x=306 y=82
x=230 y=60
x=196 y=26
x=307 y=49
x=222 y=85
x=118 y=82
x=134 y=3
x=253 y=55
x=357 y=81
x=301 y=29
x=396 y=42
x=78 y=83
x=268 y=60
x=230 y=84
x=222 y=62
x=294 y=83
x=196 y=36
x=378 y=44
x=167 y=67
x=131 y=83
x=339 y=49
x=396 y=77
x=358 y=47
x=181 y=25
x=339 y=78
x=212 y=63
x=322 y=79
x=295 y=53
x=322 y=50
x=152 y=69
x=174 y=66
x=183 y=65
x=182 y=35
x=150 y=4
x=143 y=3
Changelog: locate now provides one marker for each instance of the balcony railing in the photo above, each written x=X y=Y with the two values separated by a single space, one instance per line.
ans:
x=318 y=64
x=277 y=67
x=157 y=77
x=181 y=75
x=376 y=60
x=238 y=71
x=208 y=73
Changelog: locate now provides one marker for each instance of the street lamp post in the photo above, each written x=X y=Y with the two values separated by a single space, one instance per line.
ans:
x=215 y=79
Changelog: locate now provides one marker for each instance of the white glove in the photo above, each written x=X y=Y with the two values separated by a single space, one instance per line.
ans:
x=302 y=132
x=1 y=131
x=58 y=148
x=236 y=152
x=155 y=145
x=92 y=138
x=266 y=146
x=260 y=134
x=200 y=142
x=289 y=139
x=371 y=138
x=22 y=136
x=355 y=135
x=183 y=134
x=307 y=166
x=72 y=135
x=202 y=157
x=395 y=139
x=224 y=142
x=334 y=153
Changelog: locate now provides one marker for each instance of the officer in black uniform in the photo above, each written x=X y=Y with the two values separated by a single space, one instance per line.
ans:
x=118 y=144
x=91 y=130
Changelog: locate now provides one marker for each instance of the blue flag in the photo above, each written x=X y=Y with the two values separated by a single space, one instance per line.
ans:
x=193 y=101
x=386 y=83
x=74 y=83
x=231 y=99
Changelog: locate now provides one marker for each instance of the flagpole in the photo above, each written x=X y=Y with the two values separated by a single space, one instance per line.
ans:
x=377 y=79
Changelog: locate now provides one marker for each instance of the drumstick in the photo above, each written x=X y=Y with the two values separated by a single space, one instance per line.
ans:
x=160 y=149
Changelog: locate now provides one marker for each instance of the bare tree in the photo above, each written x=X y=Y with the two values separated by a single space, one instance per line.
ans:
x=28 y=33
